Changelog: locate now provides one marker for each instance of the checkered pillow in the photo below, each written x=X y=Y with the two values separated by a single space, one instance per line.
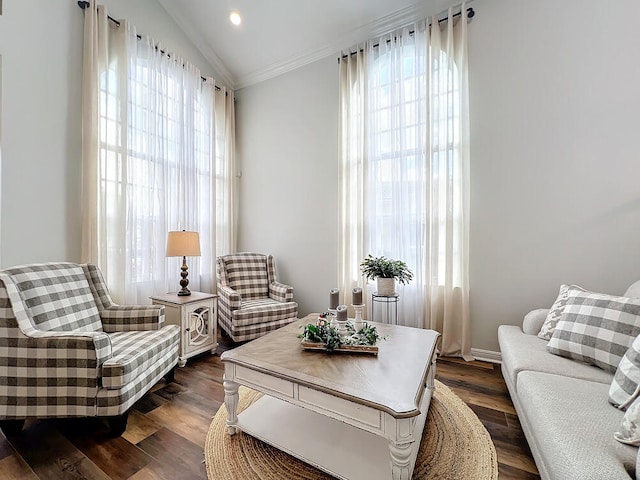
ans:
x=555 y=312
x=596 y=328
x=625 y=386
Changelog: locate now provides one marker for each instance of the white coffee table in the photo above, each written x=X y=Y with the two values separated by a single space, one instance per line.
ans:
x=355 y=416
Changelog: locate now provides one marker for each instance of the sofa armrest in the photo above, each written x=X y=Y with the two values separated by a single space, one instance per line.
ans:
x=126 y=318
x=533 y=321
x=280 y=292
x=231 y=298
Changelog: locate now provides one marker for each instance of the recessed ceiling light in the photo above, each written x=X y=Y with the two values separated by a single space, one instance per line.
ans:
x=235 y=18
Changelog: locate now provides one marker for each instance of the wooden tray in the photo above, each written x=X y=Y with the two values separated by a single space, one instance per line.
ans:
x=370 y=349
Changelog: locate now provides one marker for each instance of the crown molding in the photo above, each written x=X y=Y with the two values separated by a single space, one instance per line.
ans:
x=224 y=74
x=380 y=26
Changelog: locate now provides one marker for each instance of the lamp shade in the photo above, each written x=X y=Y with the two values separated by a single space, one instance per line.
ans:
x=183 y=244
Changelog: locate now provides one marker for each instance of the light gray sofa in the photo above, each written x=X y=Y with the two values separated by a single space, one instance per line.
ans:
x=563 y=407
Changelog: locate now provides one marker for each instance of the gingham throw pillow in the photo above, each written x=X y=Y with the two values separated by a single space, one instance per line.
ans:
x=596 y=328
x=555 y=312
x=625 y=386
x=629 y=432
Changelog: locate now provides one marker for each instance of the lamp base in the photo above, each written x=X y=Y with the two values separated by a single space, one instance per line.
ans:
x=184 y=291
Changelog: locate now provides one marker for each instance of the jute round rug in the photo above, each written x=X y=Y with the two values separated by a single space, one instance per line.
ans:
x=455 y=445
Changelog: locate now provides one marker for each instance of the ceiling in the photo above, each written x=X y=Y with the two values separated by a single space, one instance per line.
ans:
x=277 y=36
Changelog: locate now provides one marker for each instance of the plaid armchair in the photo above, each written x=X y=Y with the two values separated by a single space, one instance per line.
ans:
x=66 y=350
x=250 y=300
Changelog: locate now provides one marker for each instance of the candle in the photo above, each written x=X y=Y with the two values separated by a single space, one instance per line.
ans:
x=357 y=296
x=342 y=313
x=334 y=295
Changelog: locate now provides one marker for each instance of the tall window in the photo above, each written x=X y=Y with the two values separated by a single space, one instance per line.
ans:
x=164 y=162
x=404 y=170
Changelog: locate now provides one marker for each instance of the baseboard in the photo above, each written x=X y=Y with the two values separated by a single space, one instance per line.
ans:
x=486 y=355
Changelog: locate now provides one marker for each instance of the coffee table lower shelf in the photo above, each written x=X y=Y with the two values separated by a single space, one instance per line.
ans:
x=330 y=445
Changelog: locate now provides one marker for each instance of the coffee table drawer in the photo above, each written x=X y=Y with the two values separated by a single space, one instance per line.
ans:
x=354 y=414
x=263 y=382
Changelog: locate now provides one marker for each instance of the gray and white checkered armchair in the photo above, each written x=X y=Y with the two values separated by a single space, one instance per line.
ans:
x=66 y=350
x=251 y=302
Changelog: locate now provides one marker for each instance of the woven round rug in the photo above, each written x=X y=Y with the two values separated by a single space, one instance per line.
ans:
x=454 y=445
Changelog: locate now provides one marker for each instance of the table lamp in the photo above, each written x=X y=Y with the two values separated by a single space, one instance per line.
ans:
x=183 y=244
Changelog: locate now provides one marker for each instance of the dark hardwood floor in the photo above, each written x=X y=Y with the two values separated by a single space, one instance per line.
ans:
x=167 y=428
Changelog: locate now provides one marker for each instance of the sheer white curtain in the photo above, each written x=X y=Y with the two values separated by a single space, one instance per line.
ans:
x=158 y=157
x=404 y=170
x=352 y=154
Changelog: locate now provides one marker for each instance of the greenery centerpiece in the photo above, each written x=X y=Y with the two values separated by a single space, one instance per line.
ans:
x=323 y=333
x=385 y=271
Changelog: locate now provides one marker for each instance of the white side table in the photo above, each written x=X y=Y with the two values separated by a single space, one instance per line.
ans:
x=197 y=317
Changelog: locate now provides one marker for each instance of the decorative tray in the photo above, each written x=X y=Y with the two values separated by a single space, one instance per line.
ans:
x=371 y=349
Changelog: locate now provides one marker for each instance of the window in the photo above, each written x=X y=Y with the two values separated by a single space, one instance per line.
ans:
x=164 y=164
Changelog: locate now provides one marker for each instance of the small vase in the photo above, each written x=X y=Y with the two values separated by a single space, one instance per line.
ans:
x=386 y=286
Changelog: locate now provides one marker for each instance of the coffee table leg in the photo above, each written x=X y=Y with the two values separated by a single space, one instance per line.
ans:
x=231 y=403
x=400 y=461
x=432 y=375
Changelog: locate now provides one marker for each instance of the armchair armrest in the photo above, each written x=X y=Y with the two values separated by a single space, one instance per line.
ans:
x=126 y=318
x=533 y=321
x=228 y=296
x=52 y=374
x=280 y=292
x=76 y=350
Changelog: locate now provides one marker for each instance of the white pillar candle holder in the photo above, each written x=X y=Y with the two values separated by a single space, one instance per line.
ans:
x=341 y=320
x=358 y=323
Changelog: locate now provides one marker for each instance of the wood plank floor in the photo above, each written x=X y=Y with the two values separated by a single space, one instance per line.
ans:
x=167 y=427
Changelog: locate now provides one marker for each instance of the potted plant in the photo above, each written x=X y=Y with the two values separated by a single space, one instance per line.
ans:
x=386 y=272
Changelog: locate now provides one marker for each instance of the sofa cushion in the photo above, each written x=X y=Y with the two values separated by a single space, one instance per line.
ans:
x=134 y=352
x=572 y=425
x=57 y=296
x=625 y=386
x=596 y=328
x=521 y=352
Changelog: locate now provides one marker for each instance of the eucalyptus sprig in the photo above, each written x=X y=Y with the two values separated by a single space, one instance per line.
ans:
x=322 y=333
x=367 y=335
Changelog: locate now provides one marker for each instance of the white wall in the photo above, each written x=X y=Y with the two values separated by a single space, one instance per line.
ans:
x=555 y=189
x=287 y=142
x=41 y=49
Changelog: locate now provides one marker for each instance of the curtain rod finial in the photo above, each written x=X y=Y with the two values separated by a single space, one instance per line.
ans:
x=470 y=12
x=83 y=5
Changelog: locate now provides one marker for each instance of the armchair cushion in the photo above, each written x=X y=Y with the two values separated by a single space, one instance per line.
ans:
x=264 y=310
x=58 y=297
x=246 y=273
x=135 y=352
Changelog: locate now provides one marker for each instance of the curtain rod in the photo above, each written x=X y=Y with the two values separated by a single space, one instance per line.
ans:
x=470 y=14
x=85 y=4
